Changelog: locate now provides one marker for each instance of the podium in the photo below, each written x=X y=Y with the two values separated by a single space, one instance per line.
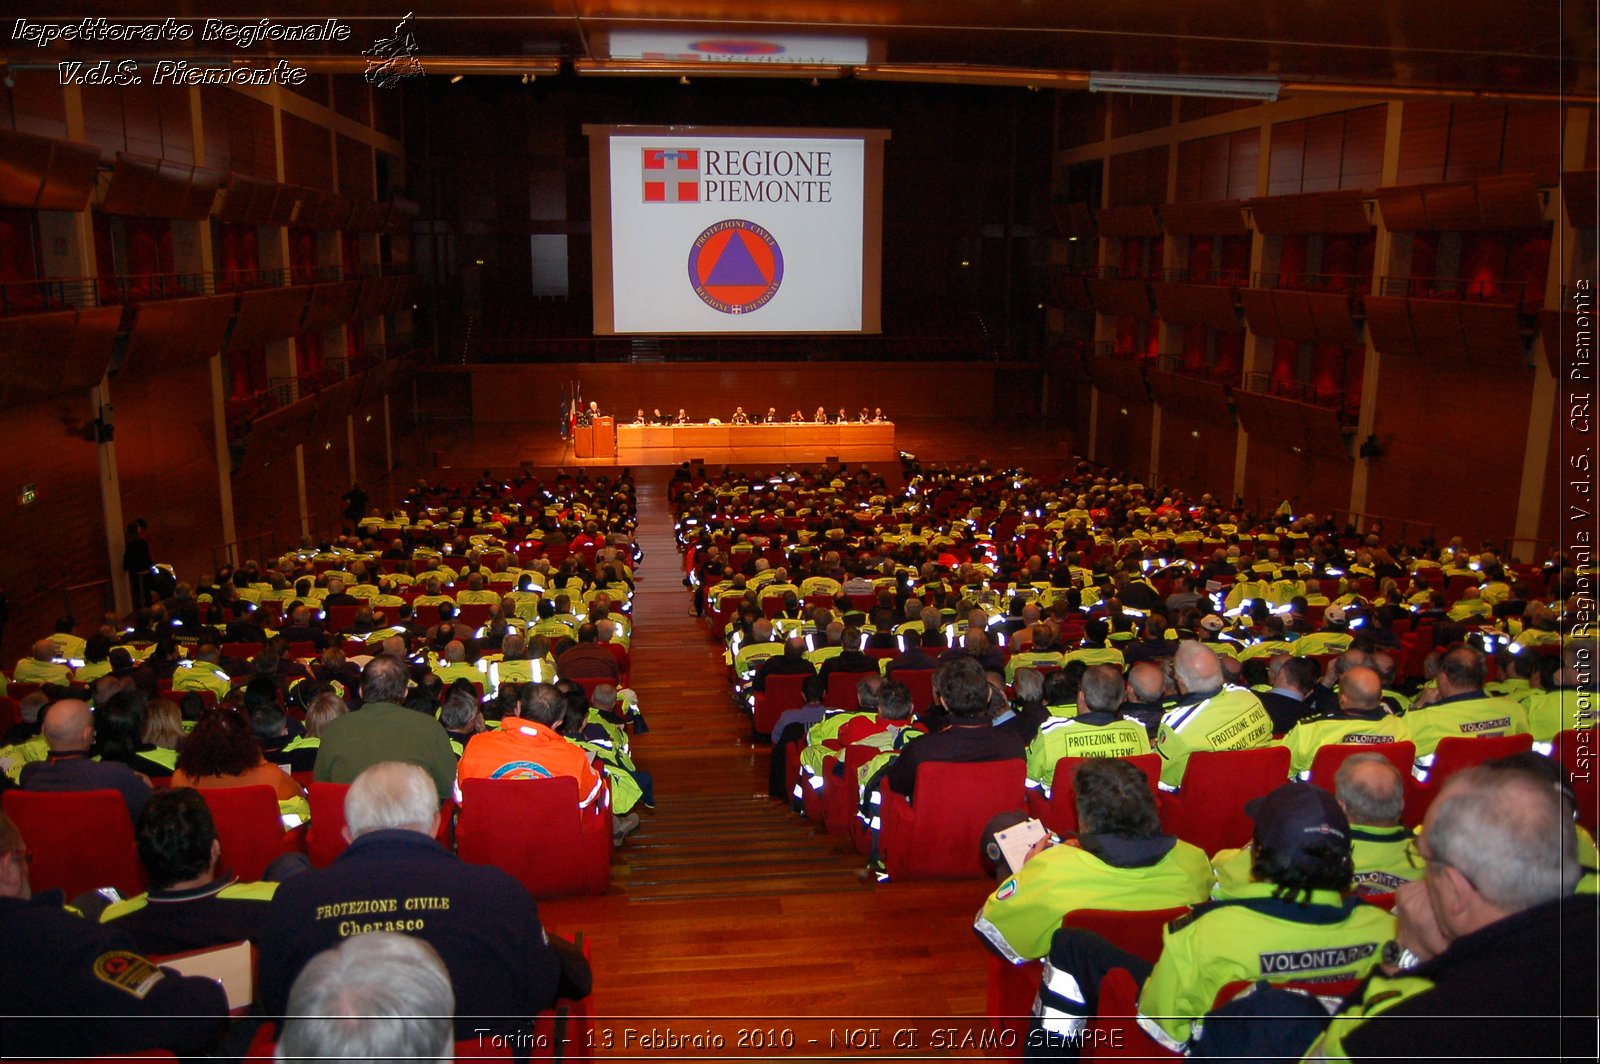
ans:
x=597 y=439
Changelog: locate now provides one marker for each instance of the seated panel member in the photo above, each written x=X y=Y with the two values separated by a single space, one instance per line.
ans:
x=739 y=416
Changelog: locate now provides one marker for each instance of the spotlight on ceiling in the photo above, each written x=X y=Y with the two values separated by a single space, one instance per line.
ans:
x=457 y=78
x=1178 y=85
x=683 y=79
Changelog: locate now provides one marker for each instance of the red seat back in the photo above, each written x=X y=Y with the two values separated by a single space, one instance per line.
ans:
x=1062 y=812
x=474 y=615
x=244 y=651
x=1138 y=931
x=842 y=690
x=939 y=837
x=1325 y=766
x=534 y=830
x=920 y=683
x=779 y=694
x=338 y=618
x=1208 y=809
x=80 y=840
x=1453 y=754
x=249 y=827
x=325 y=834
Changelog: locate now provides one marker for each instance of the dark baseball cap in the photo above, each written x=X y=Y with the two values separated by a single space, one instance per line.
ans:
x=1296 y=815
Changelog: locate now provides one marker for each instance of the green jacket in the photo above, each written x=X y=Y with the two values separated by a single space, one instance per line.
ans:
x=383 y=731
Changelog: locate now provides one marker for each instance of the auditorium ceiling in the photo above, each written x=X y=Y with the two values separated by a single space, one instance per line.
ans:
x=1503 y=47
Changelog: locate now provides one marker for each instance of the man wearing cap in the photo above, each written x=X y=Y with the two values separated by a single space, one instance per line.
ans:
x=1462 y=707
x=1120 y=859
x=1208 y=715
x=1362 y=718
x=1290 y=923
x=1504 y=950
x=1333 y=639
x=1372 y=794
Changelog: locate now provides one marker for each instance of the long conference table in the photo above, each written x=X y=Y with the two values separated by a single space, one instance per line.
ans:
x=671 y=444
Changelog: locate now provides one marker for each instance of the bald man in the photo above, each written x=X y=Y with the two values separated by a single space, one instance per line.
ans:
x=68 y=729
x=1362 y=717
x=41 y=666
x=1209 y=714
x=1146 y=687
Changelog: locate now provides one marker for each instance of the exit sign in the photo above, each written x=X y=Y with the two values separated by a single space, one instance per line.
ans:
x=27 y=495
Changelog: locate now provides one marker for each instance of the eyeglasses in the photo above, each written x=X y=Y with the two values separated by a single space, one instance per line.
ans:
x=25 y=856
x=1419 y=860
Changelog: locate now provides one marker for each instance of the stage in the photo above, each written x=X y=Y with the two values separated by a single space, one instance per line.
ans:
x=668 y=445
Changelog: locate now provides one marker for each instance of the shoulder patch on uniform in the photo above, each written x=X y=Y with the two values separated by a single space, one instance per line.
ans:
x=1007 y=889
x=128 y=972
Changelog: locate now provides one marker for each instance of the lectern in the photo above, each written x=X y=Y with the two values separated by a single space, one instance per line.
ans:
x=604 y=444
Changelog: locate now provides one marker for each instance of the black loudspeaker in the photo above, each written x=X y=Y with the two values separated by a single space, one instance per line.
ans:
x=104 y=431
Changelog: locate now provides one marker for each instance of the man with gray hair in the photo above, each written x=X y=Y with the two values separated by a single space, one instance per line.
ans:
x=1208 y=714
x=1505 y=949
x=384 y=730
x=1098 y=730
x=382 y=997
x=396 y=877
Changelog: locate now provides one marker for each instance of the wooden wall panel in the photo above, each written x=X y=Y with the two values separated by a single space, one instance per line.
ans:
x=307 y=154
x=1362 y=159
x=1122 y=441
x=1244 y=154
x=1424 y=141
x=1310 y=482
x=1438 y=464
x=706 y=389
x=352 y=97
x=1533 y=141
x=1324 y=151
x=34 y=104
x=166 y=461
x=1197 y=454
x=1138 y=178
x=60 y=538
x=1286 y=168
x=355 y=167
x=239 y=133
x=1477 y=131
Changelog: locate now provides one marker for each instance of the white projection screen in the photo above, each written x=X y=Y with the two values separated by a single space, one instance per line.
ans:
x=724 y=230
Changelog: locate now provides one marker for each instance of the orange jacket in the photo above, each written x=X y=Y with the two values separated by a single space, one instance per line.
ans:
x=526 y=749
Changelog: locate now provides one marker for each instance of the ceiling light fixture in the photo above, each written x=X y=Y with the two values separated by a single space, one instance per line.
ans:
x=457 y=78
x=1185 y=85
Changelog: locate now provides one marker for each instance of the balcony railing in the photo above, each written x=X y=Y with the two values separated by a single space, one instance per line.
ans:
x=1299 y=391
x=1514 y=293
x=1178 y=365
x=78 y=293
x=1183 y=275
x=1345 y=283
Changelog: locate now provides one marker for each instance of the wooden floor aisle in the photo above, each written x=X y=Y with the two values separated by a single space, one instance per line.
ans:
x=728 y=912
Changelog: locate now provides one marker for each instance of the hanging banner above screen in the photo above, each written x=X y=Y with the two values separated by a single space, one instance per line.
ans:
x=713 y=231
x=710 y=47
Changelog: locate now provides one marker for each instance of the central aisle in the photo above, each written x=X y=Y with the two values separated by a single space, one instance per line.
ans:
x=723 y=903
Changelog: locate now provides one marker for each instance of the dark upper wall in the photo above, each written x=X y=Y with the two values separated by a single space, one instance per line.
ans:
x=959 y=163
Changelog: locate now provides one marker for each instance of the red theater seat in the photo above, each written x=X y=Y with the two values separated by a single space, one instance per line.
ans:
x=534 y=830
x=938 y=837
x=1208 y=809
x=250 y=829
x=80 y=840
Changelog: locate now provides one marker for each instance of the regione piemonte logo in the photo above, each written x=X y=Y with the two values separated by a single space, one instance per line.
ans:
x=735 y=266
x=671 y=175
